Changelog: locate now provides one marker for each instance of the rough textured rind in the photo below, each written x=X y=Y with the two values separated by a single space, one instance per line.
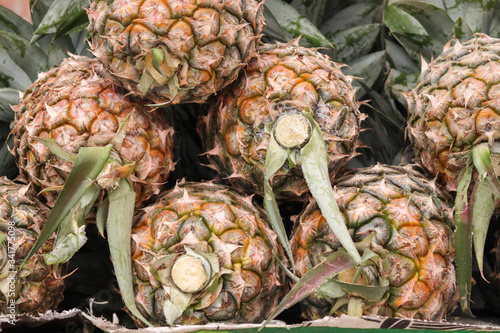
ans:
x=204 y=44
x=455 y=106
x=282 y=78
x=411 y=225
x=38 y=287
x=77 y=107
x=211 y=220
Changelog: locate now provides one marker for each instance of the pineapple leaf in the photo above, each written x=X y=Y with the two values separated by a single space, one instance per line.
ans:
x=66 y=248
x=13 y=23
x=434 y=20
x=482 y=162
x=363 y=68
x=463 y=239
x=462 y=31
x=295 y=24
x=8 y=97
x=370 y=293
x=29 y=57
x=315 y=168
x=358 y=14
x=419 y=45
x=276 y=156
x=399 y=58
x=7 y=161
x=119 y=228
x=60 y=18
x=100 y=219
x=398 y=20
x=56 y=149
x=87 y=167
x=398 y=83
x=312 y=280
x=355 y=42
x=482 y=207
x=312 y=9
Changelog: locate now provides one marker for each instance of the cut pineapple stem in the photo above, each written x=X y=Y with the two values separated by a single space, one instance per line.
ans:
x=189 y=274
x=292 y=130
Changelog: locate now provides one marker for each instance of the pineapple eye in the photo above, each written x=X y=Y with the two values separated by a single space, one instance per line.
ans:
x=292 y=130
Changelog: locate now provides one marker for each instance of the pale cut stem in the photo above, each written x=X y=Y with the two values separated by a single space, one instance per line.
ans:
x=189 y=274
x=292 y=130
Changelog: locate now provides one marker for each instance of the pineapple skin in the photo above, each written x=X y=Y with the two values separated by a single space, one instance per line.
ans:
x=37 y=287
x=281 y=79
x=76 y=105
x=203 y=45
x=216 y=221
x=455 y=106
x=411 y=225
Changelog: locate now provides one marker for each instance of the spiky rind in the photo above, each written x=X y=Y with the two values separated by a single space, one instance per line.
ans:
x=455 y=106
x=76 y=106
x=282 y=78
x=172 y=51
x=37 y=287
x=216 y=222
x=410 y=223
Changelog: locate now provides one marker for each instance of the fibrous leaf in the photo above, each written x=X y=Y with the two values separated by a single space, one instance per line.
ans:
x=463 y=239
x=119 y=229
x=313 y=279
x=295 y=24
x=88 y=165
x=315 y=168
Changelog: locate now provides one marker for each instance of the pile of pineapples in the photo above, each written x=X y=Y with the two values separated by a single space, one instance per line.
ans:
x=236 y=160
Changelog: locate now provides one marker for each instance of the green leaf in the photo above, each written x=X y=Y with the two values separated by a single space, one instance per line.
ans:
x=8 y=97
x=419 y=45
x=276 y=156
x=482 y=209
x=313 y=279
x=463 y=239
x=88 y=165
x=56 y=149
x=433 y=19
x=400 y=59
x=313 y=10
x=66 y=248
x=482 y=162
x=29 y=57
x=60 y=17
x=119 y=229
x=291 y=21
x=11 y=75
x=315 y=168
x=399 y=21
x=370 y=293
x=102 y=213
x=11 y=22
x=476 y=14
x=364 y=69
x=398 y=83
x=461 y=30
x=273 y=31
x=358 y=14
x=355 y=42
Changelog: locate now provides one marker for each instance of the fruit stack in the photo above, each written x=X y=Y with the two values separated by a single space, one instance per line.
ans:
x=237 y=164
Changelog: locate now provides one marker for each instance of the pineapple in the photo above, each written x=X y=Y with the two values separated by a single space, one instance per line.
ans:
x=453 y=127
x=404 y=219
x=174 y=52
x=454 y=106
x=36 y=287
x=74 y=106
x=281 y=82
x=204 y=253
